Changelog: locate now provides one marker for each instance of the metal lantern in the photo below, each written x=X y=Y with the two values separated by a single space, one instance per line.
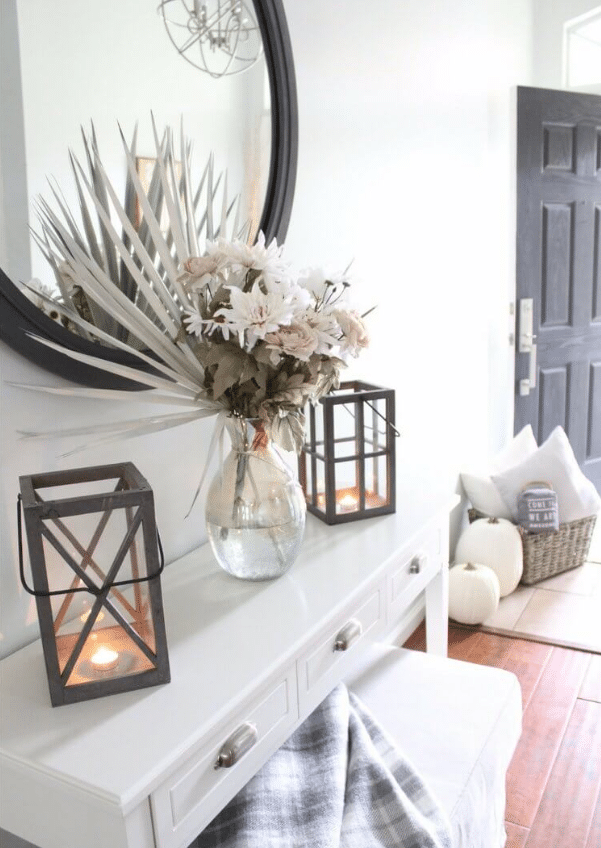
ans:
x=347 y=465
x=95 y=562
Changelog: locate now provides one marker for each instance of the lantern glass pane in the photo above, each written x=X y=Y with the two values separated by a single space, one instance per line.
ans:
x=85 y=551
x=376 y=482
x=320 y=484
x=347 y=440
x=347 y=487
x=374 y=425
x=86 y=547
x=318 y=437
x=110 y=650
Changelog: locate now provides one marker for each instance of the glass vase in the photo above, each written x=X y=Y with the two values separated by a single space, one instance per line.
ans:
x=255 y=509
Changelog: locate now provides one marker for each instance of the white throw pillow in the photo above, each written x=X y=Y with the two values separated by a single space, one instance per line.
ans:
x=484 y=496
x=519 y=448
x=555 y=463
x=480 y=489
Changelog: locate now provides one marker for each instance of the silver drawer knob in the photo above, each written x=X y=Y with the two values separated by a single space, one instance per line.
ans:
x=237 y=745
x=416 y=564
x=349 y=634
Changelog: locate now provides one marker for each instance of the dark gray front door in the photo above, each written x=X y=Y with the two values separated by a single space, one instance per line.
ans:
x=559 y=268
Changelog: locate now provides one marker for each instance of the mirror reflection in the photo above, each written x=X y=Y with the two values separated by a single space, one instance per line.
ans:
x=108 y=66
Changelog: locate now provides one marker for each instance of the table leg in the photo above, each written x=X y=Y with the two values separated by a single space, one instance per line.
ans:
x=437 y=613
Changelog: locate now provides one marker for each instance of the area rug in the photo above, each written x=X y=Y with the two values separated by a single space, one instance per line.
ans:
x=564 y=610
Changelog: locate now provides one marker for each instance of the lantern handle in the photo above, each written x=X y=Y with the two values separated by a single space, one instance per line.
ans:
x=96 y=591
x=378 y=413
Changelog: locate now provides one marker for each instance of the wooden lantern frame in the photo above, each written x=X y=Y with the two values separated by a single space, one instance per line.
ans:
x=133 y=495
x=316 y=448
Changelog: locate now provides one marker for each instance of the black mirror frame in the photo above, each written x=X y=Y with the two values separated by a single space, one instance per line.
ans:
x=19 y=317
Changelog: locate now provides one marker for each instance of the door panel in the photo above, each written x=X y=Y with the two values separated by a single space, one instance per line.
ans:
x=559 y=266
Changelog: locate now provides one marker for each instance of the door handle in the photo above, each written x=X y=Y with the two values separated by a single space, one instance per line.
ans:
x=526 y=344
x=529 y=383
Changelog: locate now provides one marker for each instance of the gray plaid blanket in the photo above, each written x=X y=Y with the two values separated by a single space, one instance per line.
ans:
x=338 y=782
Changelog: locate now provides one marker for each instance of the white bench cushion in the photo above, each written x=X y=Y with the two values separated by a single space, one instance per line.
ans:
x=458 y=723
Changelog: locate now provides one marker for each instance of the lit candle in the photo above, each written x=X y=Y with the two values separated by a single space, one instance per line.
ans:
x=348 y=502
x=104 y=659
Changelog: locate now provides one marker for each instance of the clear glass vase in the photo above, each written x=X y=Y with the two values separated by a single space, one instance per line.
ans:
x=255 y=508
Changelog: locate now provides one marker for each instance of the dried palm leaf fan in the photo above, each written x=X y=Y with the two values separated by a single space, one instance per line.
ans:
x=123 y=289
x=131 y=260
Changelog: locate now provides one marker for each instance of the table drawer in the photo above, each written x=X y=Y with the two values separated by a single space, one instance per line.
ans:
x=333 y=653
x=190 y=798
x=413 y=571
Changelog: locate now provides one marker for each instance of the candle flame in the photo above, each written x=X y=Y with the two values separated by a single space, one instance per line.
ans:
x=104 y=658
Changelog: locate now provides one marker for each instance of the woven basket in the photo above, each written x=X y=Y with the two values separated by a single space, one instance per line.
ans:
x=546 y=554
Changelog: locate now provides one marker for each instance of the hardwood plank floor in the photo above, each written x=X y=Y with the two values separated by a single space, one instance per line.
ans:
x=527 y=660
x=591 y=686
x=554 y=780
x=516 y=835
x=569 y=778
x=594 y=835
x=544 y=723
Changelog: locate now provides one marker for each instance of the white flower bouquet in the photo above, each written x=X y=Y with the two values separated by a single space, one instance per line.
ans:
x=268 y=343
x=227 y=331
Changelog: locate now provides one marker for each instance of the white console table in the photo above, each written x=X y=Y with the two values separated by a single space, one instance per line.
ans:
x=137 y=770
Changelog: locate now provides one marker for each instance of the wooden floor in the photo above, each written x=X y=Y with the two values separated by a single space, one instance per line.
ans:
x=554 y=780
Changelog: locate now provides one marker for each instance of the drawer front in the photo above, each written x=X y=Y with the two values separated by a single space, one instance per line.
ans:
x=412 y=571
x=190 y=798
x=332 y=655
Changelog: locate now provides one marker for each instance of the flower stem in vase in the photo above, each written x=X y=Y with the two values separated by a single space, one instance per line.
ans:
x=255 y=507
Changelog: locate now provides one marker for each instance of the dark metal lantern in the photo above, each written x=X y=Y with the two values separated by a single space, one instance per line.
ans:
x=347 y=464
x=95 y=562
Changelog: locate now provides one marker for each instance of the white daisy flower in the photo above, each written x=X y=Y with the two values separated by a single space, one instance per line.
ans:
x=328 y=289
x=326 y=328
x=194 y=322
x=255 y=314
x=258 y=256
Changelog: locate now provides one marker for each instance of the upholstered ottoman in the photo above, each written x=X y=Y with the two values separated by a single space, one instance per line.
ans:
x=458 y=722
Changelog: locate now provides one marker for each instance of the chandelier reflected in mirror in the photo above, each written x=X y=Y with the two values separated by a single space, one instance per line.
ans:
x=220 y=37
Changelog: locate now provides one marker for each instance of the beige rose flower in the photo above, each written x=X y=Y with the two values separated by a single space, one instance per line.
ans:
x=354 y=331
x=298 y=339
x=199 y=271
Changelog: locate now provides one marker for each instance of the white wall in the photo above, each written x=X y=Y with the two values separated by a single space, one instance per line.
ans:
x=405 y=164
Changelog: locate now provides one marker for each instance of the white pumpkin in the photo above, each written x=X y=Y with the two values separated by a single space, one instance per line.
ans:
x=473 y=593
x=497 y=543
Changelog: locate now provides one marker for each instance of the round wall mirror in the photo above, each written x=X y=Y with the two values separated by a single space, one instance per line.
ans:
x=69 y=82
